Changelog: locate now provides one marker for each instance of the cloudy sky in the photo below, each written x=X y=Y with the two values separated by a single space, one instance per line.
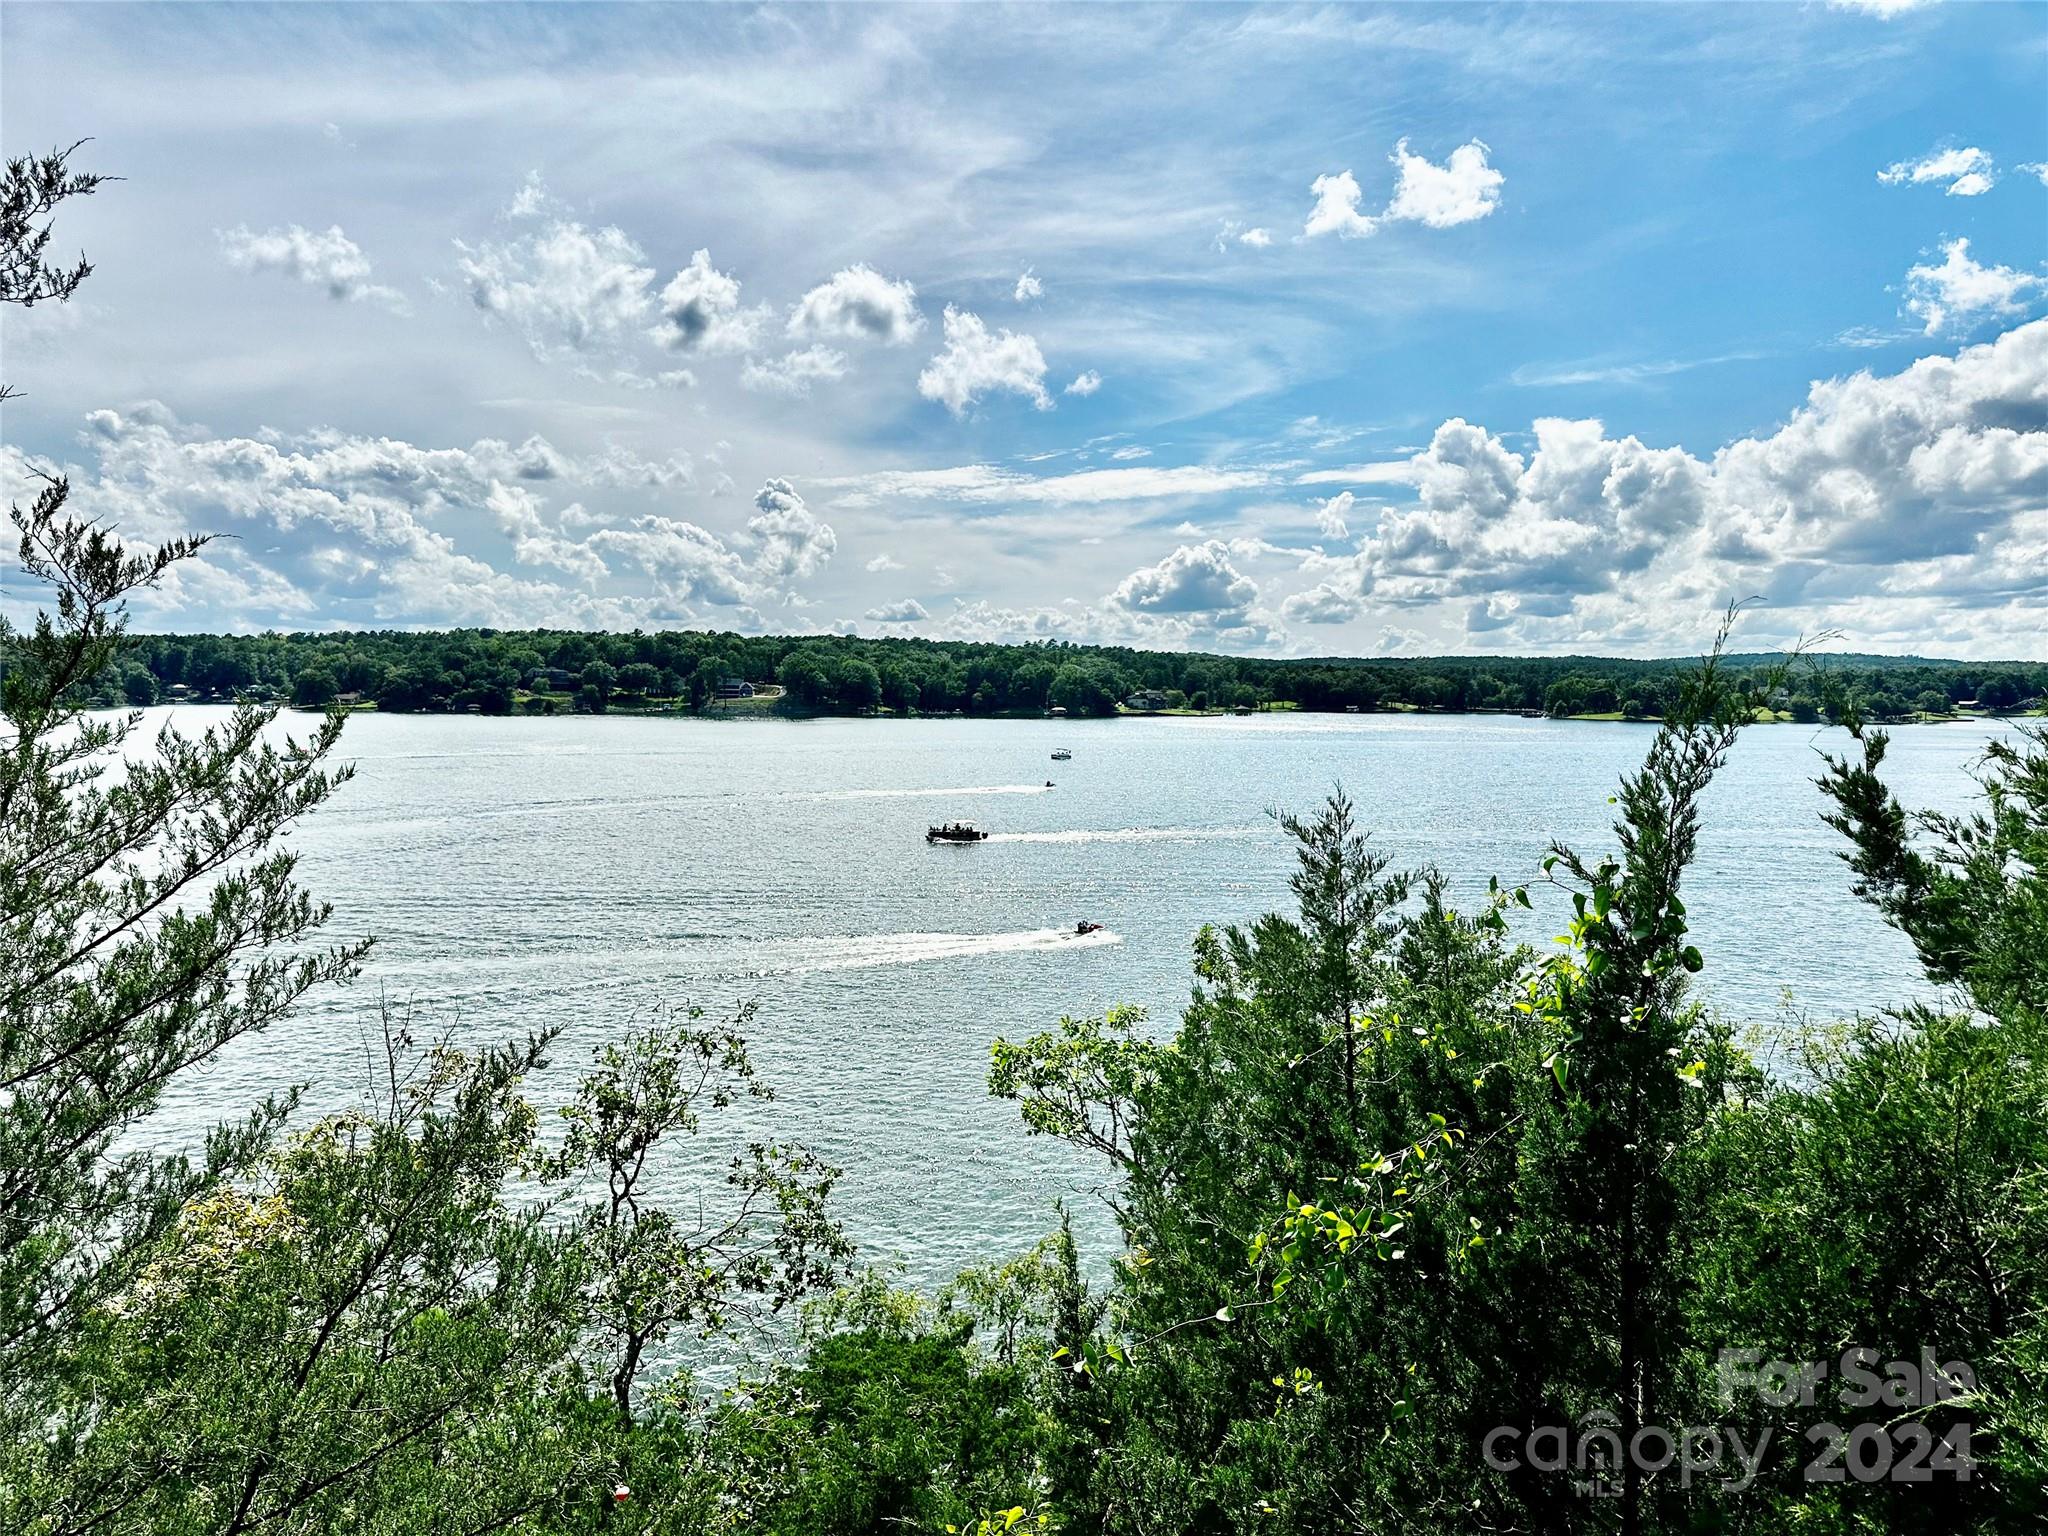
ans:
x=1319 y=330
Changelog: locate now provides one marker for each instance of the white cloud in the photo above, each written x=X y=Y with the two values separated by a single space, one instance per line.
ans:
x=794 y=372
x=1233 y=232
x=1336 y=210
x=1028 y=288
x=908 y=611
x=1460 y=190
x=1884 y=10
x=1968 y=172
x=2038 y=170
x=984 y=484
x=1388 y=472
x=1961 y=291
x=859 y=304
x=378 y=532
x=1331 y=514
x=687 y=564
x=700 y=311
x=976 y=362
x=1927 y=487
x=884 y=562
x=565 y=289
x=790 y=543
x=532 y=200
x=1085 y=383
x=328 y=260
x=1194 y=579
x=1321 y=604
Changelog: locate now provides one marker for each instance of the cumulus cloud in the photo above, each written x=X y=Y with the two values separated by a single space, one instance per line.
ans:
x=794 y=372
x=1884 y=10
x=1336 y=210
x=1321 y=604
x=687 y=563
x=701 y=311
x=1084 y=383
x=566 y=289
x=976 y=362
x=1462 y=189
x=328 y=260
x=859 y=304
x=1967 y=172
x=789 y=542
x=1233 y=232
x=1929 y=486
x=1028 y=287
x=380 y=532
x=1330 y=516
x=1962 y=291
x=1196 y=579
x=908 y=611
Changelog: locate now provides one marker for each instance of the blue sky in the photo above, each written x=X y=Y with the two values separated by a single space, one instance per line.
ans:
x=1289 y=330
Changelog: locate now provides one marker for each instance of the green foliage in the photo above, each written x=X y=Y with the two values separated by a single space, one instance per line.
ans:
x=409 y=670
x=1082 y=1083
x=653 y=1271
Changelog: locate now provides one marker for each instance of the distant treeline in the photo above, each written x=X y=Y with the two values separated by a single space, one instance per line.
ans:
x=506 y=671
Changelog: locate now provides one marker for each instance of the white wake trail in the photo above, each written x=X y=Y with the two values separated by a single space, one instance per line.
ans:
x=918 y=948
x=1126 y=835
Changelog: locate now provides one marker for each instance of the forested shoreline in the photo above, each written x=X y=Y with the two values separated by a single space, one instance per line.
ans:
x=552 y=671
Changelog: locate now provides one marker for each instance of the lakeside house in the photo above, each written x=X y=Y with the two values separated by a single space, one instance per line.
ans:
x=733 y=688
x=1147 y=701
x=552 y=680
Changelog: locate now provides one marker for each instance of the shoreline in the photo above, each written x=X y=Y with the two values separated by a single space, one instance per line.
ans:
x=779 y=711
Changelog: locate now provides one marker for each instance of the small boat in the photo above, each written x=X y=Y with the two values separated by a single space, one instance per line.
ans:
x=1061 y=754
x=1086 y=927
x=955 y=832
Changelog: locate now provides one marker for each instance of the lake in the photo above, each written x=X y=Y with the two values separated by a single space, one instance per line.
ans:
x=586 y=871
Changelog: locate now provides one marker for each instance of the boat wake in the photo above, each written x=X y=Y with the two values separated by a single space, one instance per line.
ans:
x=853 y=954
x=1126 y=835
x=926 y=794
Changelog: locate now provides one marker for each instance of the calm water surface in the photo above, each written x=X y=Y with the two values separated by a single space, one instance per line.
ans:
x=585 y=871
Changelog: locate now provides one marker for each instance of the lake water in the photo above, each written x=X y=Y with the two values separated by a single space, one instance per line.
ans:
x=585 y=871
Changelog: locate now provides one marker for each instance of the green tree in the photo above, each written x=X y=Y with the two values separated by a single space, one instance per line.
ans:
x=314 y=688
x=147 y=918
x=639 y=677
x=138 y=686
x=602 y=679
x=651 y=1271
